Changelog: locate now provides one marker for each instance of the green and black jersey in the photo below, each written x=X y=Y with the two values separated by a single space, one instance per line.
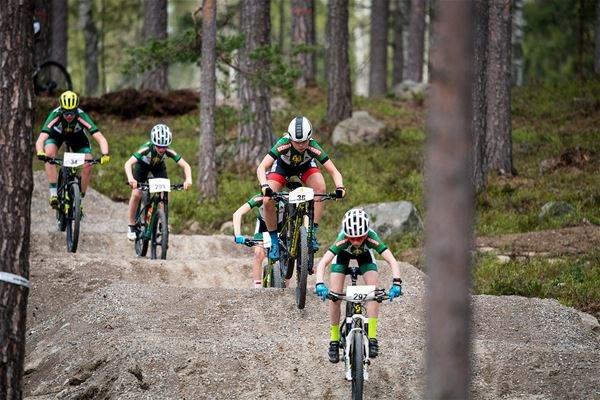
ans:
x=372 y=242
x=55 y=125
x=284 y=151
x=148 y=155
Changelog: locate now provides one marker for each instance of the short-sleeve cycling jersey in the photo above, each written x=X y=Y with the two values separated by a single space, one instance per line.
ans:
x=284 y=151
x=372 y=242
x=55 y=124
x=148 y=155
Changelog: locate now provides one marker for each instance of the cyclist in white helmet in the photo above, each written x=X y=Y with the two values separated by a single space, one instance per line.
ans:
x=356 y=241
x=295 y=154
x=149 y=159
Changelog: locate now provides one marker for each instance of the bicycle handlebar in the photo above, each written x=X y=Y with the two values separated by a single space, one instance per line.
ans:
x=145 y=186
x=283 y=196
x=59 y=161
x=378 y=295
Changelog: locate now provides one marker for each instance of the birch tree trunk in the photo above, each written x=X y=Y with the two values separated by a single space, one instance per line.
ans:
x=303 y=33
x=207 y=178
x=256 y=135
x=90 y=36
x=339 y=92
x=449 y=200
x=16 y=126
x=416 y=41
x=155 y=28
x=499 y=131
x=379 y=45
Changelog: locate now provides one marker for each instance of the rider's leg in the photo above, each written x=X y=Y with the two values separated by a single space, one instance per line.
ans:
x=259 y=256
x=372 y=278
x=51 y=149
x=316 y=181
x=270 y=211
x=86 y=175
x=134 y=201
x=336 y=282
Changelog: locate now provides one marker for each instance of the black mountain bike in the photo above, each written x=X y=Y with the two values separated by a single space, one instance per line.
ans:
x=272 y=274
x=68 y=213
x=151 y=221
x=295 y=235
x=353 y=331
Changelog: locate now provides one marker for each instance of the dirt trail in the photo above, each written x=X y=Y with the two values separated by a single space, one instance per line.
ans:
x=104 y=324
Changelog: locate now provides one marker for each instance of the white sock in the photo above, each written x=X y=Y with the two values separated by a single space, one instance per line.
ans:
x=257 y=284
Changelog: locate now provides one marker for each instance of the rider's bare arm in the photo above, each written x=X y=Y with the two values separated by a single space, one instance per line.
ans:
x=323 y=263
x=237 y=218
x=334 y=173
x=391 y=260
x=39 y=143
x=187 y=171
x=264 y=165
x=102 y=142
x=128 y=171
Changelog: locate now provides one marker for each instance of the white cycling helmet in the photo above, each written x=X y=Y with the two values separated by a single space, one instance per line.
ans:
x=355 y=222
x=161 y=135
x=300 y=129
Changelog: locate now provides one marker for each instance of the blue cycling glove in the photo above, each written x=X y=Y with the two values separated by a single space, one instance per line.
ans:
x=395 y=291
x=321 y=290
x=240 y=239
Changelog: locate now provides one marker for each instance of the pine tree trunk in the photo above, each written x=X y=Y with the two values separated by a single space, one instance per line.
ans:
x=339 y=93
x=43 y=42
x=155 y=28
x=16 y=126
x=480 y=93
x=207 y=178
x=449 y=201
x=303 y=33
x=416 y=41
x=255 y=137
x=60 y=38
x=379 y=44
x=597 y=44
x=398 y=43
x=90 y=36
x=518 y=23
x=499 y=131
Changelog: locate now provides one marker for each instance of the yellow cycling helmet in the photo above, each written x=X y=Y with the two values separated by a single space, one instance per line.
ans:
x=68 y=100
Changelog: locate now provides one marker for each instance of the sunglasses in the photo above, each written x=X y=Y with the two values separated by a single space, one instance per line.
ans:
x=69 y=114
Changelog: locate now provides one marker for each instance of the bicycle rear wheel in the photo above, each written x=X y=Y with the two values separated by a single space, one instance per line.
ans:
x=357 y=357
x=51 y=79
x=141 y=243
x=267 y=276
x=302 y=269
x=160 y=236
x=73 y=218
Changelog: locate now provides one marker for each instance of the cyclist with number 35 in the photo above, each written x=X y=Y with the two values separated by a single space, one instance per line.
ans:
x=355 y=241
x=68 y=124
x=295 y=154
x=149 y=159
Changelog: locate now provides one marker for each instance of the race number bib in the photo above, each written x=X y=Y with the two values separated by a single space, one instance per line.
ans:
x=73 y=159
x=301 y=195
x=157 y=185
x=360 y=292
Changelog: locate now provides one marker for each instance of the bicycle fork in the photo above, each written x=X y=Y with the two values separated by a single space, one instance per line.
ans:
x=356 y=330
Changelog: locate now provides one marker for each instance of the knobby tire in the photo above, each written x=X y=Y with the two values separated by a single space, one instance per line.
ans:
x=51 y=79
x=357 y=359
x=302 y=268
x=160 y=236
x=278 y=280
x=73 y=218
x=141 y=243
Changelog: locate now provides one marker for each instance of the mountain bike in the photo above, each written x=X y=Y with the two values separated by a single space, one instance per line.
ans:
x=296 y=233
x=68 y=213
x=353 y=331
x=151 y=220
x=49 y=77
x=272 y=274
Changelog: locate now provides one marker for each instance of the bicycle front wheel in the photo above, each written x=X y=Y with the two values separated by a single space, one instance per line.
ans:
x=51 y=79
x=160 y=236
x=357 y=358
x=267 y=276
x=302 y=269
x=73 y=218
x=278 y=280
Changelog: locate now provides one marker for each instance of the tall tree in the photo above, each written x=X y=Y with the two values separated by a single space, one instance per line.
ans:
x=303 y=33
x=255 y=136
x=449 y=199
x=479 y=93
x=207 y=178
x=379 y=45
x=416 y=41
x=43 y=41
x=339 y=92
x=16 y=126
x=597 y=37
x=155 y=28
x=90 y=36
x=60 y=23
x=398 y=41
x=518 y=23
x=499 y=131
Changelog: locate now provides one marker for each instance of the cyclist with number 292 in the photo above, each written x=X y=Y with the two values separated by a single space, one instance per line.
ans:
x=68 y=124
x=149 y=159
x=355 y=241
x=294 y=155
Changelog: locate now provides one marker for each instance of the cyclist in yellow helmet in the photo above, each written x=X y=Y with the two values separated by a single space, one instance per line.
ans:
x=69 y=124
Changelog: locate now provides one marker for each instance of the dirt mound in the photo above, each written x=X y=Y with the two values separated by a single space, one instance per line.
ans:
x=576 y=157
x=131 y=103
x=104 y=324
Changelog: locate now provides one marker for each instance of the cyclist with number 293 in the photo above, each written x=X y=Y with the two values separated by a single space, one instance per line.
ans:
x=150 y=159
x=68 y=124
x=295 y=154
x=355 y=241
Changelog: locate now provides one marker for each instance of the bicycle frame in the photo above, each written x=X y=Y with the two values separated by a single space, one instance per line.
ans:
x=147 y=212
